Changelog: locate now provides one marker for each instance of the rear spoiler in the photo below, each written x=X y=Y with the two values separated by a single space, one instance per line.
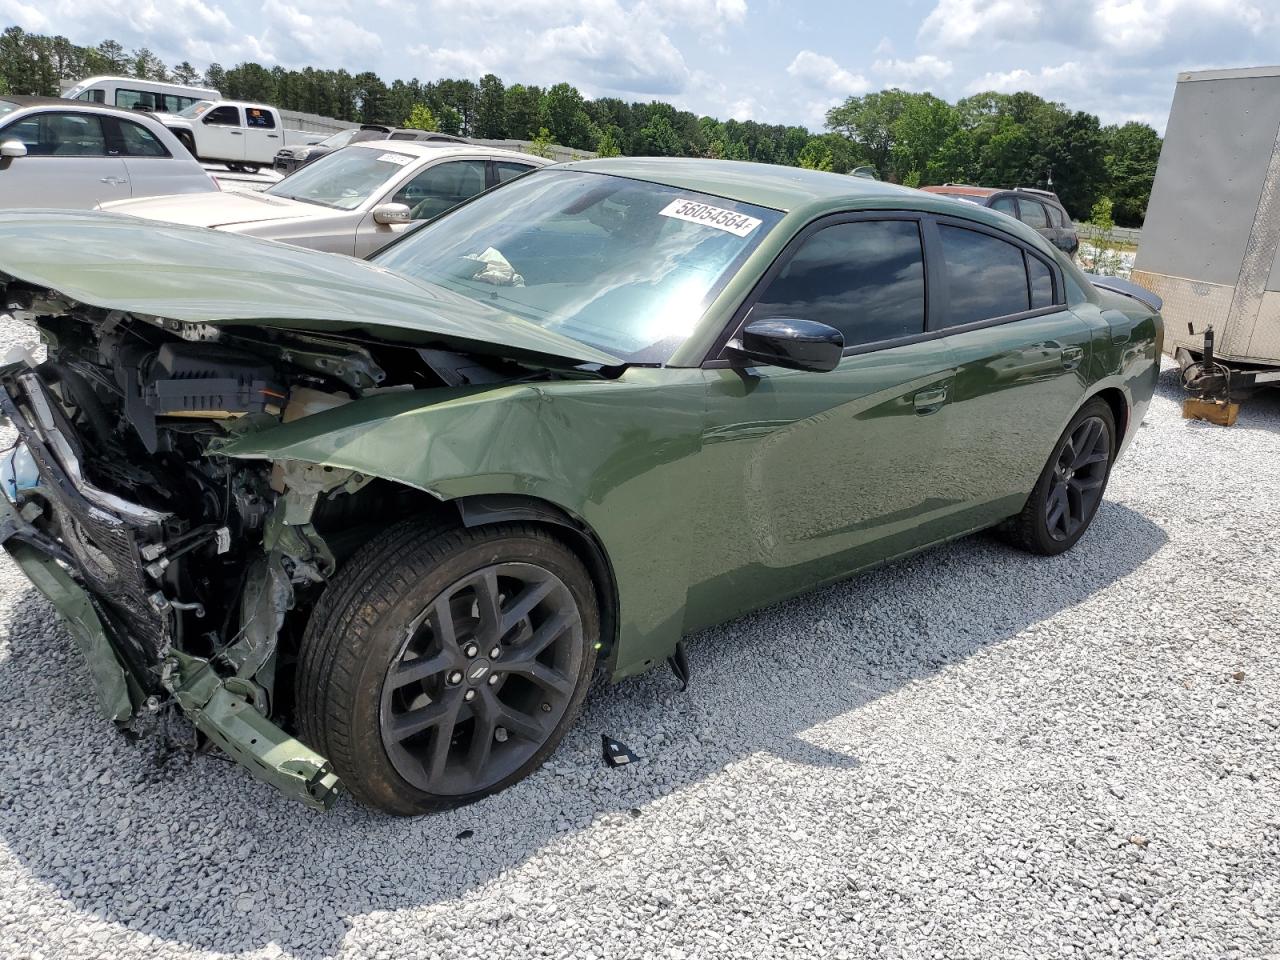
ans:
x=1126 y=288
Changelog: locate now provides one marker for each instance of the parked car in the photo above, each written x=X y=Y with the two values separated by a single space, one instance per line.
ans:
x=243 y=136
x=290 y=159
x=61 y=153
x=134 y=94
x=1041 y=210
x=375 y=522
x=354 y=201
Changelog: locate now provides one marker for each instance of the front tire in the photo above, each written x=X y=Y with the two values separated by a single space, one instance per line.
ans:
x=1067 y=495
x=442 y=665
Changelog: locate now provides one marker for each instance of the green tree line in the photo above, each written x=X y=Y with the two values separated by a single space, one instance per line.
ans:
x=991 y=139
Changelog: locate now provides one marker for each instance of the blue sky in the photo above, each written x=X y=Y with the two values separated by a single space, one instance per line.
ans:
x=751 y=59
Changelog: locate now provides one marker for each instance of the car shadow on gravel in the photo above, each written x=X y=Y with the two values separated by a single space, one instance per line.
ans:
x=192 y=851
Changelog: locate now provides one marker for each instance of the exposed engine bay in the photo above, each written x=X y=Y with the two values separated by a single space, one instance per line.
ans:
x=200 y=568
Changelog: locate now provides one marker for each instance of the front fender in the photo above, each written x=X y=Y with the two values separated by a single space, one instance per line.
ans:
x=620 y=456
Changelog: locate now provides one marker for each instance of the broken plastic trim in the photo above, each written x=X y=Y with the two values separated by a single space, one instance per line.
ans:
x=231 y=721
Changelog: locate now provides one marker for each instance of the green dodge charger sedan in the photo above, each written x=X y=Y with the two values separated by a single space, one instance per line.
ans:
x=374 y=525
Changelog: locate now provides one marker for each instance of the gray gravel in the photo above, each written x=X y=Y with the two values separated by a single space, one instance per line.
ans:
x=973 y=753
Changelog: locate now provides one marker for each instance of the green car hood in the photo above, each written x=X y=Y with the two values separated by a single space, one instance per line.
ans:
x=196 y=275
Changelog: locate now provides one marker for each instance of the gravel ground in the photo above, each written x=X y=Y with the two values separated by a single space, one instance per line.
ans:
x=973 y=753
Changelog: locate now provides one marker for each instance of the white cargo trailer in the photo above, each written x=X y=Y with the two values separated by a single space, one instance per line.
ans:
x=1210 y=241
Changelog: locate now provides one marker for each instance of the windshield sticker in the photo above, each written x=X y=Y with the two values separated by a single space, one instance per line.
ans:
x=399 y=159
x=739 y=224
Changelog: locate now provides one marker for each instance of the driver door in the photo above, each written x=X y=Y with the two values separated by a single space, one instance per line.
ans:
x=814 y=475
x=427 y=194
x=222 y=135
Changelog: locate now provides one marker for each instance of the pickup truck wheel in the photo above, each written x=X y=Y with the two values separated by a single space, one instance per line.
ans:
x=1069 y=491
x=249 y=167
x=442 y=665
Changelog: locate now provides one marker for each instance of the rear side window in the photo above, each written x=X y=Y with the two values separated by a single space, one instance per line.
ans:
x=1041 y=280
x=1033 y=214
x=223 y=117
x=507 y=170
x=137 y=141
x=1007 y=205
x=1057 y=216
x=93 y=96
x=59 y=135
x=986 y=276
x=864 y=278
x=260 y=119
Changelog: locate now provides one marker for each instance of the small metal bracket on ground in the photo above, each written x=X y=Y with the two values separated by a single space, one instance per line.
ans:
x=679 y=664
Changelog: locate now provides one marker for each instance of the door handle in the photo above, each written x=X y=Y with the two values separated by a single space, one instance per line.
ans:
x=1072 y=356
x=273 y=136
x=930 y=400
x=116 y=181
x=237 y=133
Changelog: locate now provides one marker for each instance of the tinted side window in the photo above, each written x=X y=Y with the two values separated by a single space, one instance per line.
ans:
x=1006 y=205
x=60 y=135
x=1058 y=216
x=261 y=119
x=438 y=188
x=986 y=275
x=223 y=117
x=507 y=170
x=866 y=279
x=1033 y=214
x=1041 y=283
x=94 y=96
x=137 y=141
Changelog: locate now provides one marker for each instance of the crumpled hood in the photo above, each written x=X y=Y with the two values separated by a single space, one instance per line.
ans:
x=217 y=209
x=194 y=275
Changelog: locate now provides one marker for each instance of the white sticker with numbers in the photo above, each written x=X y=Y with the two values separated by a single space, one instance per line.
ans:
x=739 y=224
x=399 y=159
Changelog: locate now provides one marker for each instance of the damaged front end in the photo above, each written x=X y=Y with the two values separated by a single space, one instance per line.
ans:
x=186 y=576
x=142 y=582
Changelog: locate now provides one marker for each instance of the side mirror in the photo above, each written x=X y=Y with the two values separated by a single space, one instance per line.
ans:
x=391 y=213
x=790 y=343
x=13 y=148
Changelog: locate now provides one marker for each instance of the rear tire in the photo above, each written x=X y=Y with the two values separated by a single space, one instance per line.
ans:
x=442 y=665
x=1070 y=489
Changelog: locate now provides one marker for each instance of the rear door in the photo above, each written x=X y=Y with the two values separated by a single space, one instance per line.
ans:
x=1022 y=357
x=67 y=163
x=221 y=134
x=261 y=135
x=153 y=171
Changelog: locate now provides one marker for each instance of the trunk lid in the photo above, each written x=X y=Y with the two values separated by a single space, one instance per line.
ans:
x=199 y=276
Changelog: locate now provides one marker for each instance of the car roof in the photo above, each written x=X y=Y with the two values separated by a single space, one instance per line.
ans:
x=806 y=194
x=962 y=190
x=764 y=184
x=424 y=148
x=24 y=102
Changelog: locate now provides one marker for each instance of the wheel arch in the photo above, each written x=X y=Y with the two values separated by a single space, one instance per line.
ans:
x=1115 y=399
x=480 y=510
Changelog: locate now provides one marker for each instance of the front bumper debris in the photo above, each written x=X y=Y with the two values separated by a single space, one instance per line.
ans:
x=124 y=674
x=230 y=720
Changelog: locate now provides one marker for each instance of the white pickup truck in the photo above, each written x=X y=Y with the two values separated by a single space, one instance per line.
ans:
x=244 y=136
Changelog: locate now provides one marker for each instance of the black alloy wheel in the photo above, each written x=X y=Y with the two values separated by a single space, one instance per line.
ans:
x=486 y=672
x=1070 y=488
x=443 y=664
x=1079 y=476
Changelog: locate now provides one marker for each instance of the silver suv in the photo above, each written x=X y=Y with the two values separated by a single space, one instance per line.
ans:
x=65 y=153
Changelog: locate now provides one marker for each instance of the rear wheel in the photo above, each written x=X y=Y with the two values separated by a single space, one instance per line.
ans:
x=1069 y=491
x=443 y=665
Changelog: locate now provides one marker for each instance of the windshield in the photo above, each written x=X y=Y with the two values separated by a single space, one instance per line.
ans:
x=197 y=108
x=343 y=180
x=623 y=265
x=340 y=139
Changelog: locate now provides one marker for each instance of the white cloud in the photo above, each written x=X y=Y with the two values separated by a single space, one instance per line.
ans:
x=909 y=74
x=822 y=73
